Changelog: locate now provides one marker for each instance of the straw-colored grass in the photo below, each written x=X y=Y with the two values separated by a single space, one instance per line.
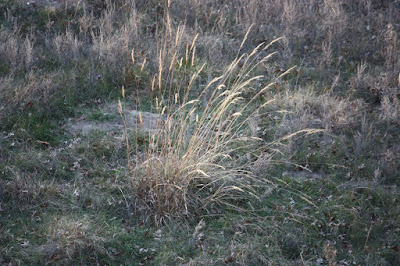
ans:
x=193 y=164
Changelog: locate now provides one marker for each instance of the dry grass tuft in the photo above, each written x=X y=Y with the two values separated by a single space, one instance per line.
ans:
x=70 y=235
x=194 y=163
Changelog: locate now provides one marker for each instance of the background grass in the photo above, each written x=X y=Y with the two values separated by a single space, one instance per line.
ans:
x=332 y=196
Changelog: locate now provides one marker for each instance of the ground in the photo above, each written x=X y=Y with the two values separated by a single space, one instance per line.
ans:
x=110 y=111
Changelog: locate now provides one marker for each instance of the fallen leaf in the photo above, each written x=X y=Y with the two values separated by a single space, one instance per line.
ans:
x=229 y=259
x=43 y=142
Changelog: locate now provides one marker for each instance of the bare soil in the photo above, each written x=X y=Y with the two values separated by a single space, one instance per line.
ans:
x=148 y=122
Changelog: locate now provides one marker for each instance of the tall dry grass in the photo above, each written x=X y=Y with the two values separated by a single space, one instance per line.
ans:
x=194 y=164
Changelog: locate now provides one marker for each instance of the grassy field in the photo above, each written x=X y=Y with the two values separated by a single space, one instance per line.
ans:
x=257 y=132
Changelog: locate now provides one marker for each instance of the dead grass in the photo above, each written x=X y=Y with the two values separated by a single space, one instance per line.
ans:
x=188 y=165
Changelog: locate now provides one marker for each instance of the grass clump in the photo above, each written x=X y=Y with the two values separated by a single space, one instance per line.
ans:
x=194 y=164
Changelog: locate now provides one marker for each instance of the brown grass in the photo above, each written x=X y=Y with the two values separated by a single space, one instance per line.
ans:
x=190 y=165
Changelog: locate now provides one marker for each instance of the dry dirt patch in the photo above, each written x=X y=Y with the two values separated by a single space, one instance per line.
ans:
x=134 y=119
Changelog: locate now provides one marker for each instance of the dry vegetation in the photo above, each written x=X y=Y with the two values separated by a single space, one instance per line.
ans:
x=277 y=140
